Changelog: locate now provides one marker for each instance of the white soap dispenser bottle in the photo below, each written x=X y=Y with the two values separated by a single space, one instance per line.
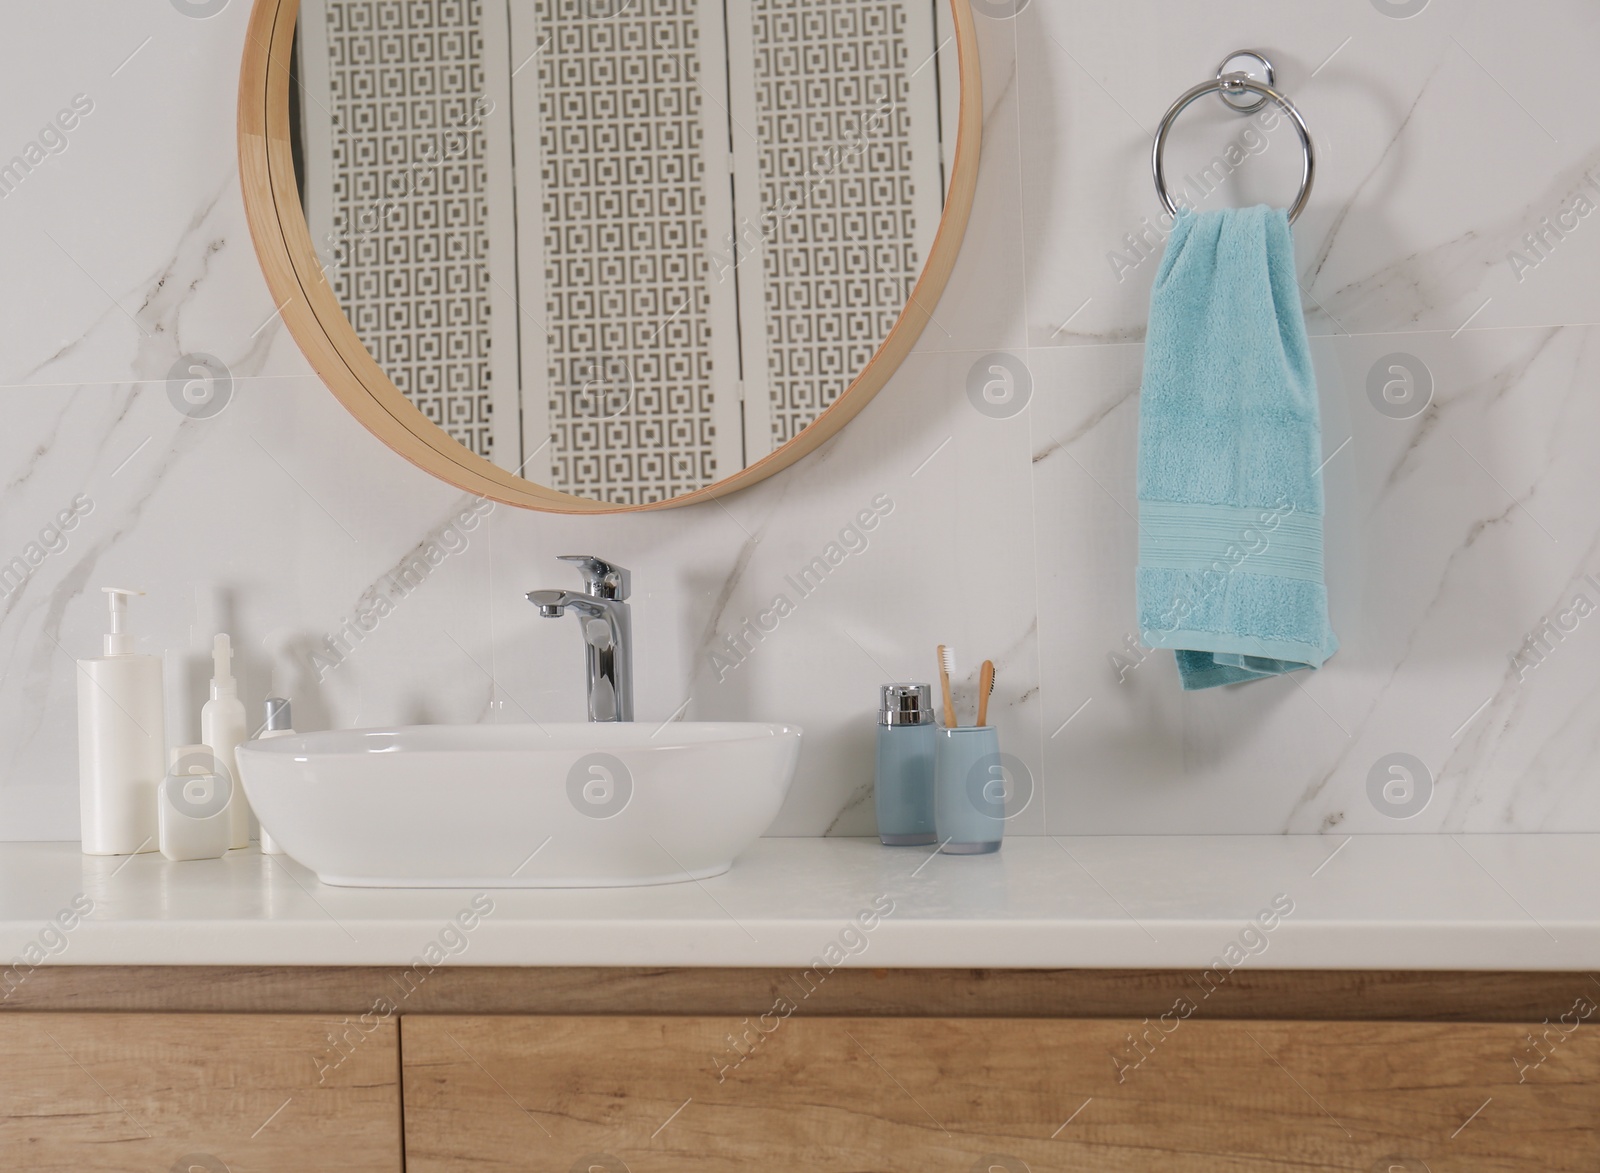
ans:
x=222 y=728
x=121 y=741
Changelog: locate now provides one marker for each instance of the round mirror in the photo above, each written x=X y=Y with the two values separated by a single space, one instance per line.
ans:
x=592 y=255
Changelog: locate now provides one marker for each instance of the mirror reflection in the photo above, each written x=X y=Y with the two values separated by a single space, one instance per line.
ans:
x=623 y=248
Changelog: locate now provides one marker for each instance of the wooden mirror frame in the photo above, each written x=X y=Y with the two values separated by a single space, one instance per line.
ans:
x=310 y=309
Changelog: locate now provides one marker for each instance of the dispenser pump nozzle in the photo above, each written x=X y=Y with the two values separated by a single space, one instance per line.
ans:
x=118 y=641
x=222 y=681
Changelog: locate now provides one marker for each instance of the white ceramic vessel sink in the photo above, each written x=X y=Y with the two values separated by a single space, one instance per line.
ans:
x=520 y=806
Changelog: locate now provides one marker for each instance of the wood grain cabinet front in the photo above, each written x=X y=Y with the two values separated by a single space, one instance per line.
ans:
x=198 y=1093
x=715 y=1095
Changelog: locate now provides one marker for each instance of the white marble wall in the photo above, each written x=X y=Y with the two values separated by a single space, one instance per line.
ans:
x=1453 y=533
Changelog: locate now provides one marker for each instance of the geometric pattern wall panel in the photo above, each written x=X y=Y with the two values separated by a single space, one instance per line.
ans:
x=621 y=366
x=835 y=131
x=408 y=214
x=622 y=182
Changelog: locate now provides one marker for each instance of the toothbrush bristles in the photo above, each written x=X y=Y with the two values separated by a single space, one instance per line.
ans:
x=946 y=671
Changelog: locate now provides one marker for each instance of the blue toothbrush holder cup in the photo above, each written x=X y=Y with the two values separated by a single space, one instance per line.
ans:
x=969 y=790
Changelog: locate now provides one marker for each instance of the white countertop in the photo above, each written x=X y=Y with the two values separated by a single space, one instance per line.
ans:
x=1518 y=902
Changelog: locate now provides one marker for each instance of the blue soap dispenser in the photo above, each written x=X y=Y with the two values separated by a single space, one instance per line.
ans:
x=903 y=791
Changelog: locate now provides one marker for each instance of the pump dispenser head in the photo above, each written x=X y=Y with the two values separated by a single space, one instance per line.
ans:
x=119 y=641
x=905 y=704
x=279 y=717
x=222 y=681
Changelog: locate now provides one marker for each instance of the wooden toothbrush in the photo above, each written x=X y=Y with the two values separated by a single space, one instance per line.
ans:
x=945 y=659
x=985 y=688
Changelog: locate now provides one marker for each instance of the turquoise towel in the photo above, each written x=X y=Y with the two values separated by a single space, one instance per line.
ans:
x=1230 y=449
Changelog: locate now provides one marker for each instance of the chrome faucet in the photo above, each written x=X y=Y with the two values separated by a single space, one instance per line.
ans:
x=607 y=632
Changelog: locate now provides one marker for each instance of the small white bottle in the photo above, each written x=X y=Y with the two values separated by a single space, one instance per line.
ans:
x=222 y=728
x=279 y=723
x=121 y=741
x=194 y=806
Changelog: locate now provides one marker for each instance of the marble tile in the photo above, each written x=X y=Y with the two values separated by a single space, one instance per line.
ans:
x=945 y=554
x=983 y=299
x=1436 y=155
x=1454 y=533
x=132 y=234
x=269 y=519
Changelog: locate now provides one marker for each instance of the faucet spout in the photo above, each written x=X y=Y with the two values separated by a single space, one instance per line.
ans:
x=607 y=628
x=551 y=604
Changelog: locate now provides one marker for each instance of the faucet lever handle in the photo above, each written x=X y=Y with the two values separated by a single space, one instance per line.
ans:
x=601 y=579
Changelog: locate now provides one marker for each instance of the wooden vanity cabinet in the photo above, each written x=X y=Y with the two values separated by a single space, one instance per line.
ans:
x=606 y=1070
x=207 y=1093
x=719 y=1095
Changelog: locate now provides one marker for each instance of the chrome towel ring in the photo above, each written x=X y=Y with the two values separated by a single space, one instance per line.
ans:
x=1233 y=86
